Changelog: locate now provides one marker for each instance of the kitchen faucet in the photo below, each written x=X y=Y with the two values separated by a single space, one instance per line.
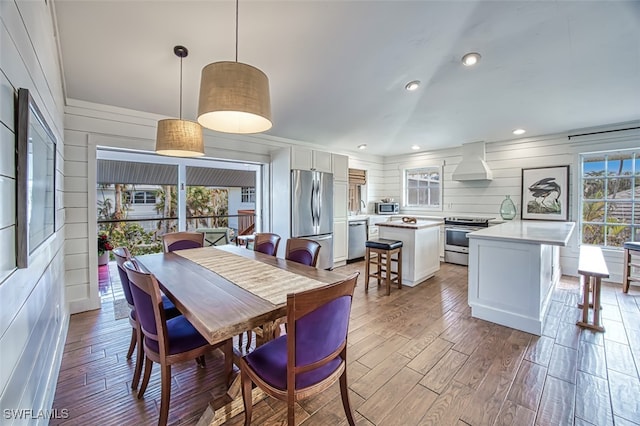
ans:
x=363 y=204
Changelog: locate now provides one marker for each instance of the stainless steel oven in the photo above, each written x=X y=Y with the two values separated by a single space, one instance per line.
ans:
x=456 y=242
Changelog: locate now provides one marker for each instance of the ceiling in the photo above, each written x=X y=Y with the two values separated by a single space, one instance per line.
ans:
x=337 y=69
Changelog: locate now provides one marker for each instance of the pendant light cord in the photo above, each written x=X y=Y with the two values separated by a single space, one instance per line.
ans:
x=180 y=87
x=237 y=30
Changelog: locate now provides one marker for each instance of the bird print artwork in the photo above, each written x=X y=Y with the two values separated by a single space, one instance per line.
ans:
x=546 y=197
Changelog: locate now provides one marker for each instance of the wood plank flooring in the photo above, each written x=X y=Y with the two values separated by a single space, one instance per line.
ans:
x=416 y=357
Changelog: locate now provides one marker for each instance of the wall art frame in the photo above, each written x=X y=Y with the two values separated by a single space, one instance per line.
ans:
x=545 y=193
x=36 y=178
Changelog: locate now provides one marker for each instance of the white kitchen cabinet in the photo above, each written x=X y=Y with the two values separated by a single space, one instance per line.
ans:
x=340 y=167
x=309 y=159
x=340 y=225
x=340 y=242
x=420 y=241
x=513 y=268
x=340 y=199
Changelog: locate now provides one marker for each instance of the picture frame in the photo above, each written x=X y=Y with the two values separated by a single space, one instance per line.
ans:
x=36 y=178
x=545 y=193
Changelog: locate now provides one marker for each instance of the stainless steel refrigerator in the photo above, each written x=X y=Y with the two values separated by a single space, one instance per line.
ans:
x=312 y=211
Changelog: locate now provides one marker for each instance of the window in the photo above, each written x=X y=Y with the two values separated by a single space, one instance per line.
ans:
x=140 y=197
x=423 y=187
x=248 y=194
x=610 y=198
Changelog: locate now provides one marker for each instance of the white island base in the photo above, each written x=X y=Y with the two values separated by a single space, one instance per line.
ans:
x=420 y=248
x=512 y=272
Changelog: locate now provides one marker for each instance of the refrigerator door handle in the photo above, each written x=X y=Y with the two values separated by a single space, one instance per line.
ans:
x=313 y=204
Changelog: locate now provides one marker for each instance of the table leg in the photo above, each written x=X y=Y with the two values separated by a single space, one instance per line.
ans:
x=596 y=303
x=585 y=300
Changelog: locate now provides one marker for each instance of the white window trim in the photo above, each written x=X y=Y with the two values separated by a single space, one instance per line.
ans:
x=580 y=193
x=409 y=168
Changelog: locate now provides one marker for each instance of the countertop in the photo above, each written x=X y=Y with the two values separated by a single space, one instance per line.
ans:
x=528 y=231
x=420 y=224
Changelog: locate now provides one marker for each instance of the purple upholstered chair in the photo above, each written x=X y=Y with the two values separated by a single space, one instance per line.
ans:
x=166 y=341
x=311 y=357
x=266 y=243
x=122 y=254
x=302 y=251
x=182 y=240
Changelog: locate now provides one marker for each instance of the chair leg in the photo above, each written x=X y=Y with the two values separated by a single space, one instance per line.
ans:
x=627 y=271
x=147 y=374
x=400 y=268
x=291 y=412
x=132 y=344
x=387 y=278
x=246 y=396
x=249 y=334
x=366 y=270
x=202 y=363
x=139 y=359
x=344 y=392
x=165 y=389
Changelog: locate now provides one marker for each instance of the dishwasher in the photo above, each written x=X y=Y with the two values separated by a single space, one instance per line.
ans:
x=357 y=239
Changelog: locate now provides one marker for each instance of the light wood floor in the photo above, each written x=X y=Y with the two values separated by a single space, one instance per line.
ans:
x=415 y=358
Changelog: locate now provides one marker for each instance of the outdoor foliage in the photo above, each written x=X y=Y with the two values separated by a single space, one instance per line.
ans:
x=607 y=205
x=201 y=202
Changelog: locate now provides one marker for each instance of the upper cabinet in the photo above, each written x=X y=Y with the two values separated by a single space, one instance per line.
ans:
x=340 y=167
x=308 y=159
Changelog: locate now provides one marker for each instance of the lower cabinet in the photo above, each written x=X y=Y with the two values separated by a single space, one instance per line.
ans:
x=340 y=242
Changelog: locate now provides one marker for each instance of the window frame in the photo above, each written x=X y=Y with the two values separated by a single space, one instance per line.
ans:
x=405 y=190
x=632 y=155
x=250 y=194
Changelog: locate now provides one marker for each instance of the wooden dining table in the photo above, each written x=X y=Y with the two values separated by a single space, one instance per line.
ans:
x=226 y=290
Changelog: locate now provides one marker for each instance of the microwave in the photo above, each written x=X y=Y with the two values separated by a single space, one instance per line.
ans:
x=387 y=208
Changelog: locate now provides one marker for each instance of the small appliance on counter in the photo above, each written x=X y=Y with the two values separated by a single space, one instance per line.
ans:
x=387 y=207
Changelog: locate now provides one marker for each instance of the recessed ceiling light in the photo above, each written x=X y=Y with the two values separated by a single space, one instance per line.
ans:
x=470 y=59
x=412 y=85
x=363 y=146
x=519 y=131
x=415 y=147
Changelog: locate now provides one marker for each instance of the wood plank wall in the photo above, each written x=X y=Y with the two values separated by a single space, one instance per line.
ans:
x=33 y=313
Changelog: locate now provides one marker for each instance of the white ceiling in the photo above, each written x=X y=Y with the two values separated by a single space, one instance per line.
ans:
x=337 y=69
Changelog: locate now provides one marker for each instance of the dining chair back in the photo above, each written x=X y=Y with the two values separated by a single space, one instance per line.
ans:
x=122 y=254
x=303 y=251
x=182 y=240
x=166 y=341
x=311 y=356
x=266 y=243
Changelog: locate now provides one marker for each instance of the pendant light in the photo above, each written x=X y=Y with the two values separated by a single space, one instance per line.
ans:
x=178 y=137
x=234 y=97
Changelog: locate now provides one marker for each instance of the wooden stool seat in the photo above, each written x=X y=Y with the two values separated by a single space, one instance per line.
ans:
x=630 y=248
x=380 y=253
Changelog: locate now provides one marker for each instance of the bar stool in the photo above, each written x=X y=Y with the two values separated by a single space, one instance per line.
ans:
x=630 y=249
x=380 y=254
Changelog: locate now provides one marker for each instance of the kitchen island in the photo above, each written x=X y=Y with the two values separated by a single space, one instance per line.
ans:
x=512 y=269
x=420 y=248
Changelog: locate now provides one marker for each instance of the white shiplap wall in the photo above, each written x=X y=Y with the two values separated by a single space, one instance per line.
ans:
x=33 y=312
x=89 y=126
x=507 y=159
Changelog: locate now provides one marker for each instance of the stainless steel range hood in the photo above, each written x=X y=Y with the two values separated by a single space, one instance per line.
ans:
x=473 y=166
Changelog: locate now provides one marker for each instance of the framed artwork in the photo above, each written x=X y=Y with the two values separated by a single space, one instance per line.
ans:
x=545 y=193
x=36 y=171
